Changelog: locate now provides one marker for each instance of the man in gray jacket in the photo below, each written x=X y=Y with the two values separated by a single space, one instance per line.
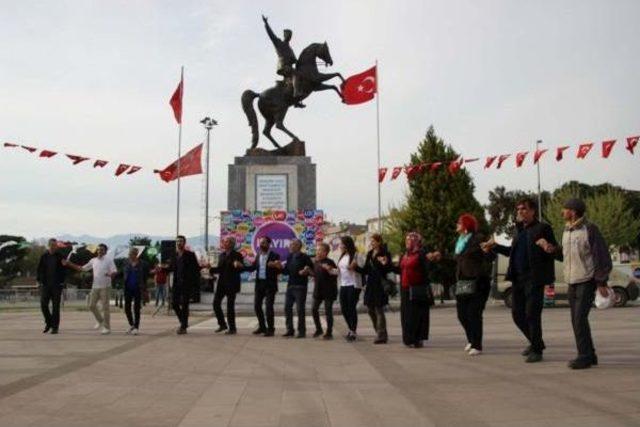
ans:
x=587 y=264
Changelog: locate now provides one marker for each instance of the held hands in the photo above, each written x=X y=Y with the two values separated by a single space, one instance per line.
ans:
x=546 y=246
x=603 y=289
x=305 y=271
x=237 y=264
x=488 y=245
x=382 y=260
x=434 y=256
x=353 y=265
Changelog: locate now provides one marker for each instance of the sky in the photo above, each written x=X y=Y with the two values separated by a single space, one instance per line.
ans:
x=94 y=78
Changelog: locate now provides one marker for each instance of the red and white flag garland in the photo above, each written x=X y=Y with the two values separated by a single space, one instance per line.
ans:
x=583 y=150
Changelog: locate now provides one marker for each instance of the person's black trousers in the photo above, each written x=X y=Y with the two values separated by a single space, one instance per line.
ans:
x=470 y=310
x=414 y=319
x=297 y=295
x=528 y=300
x=221 y=292
x=136 y=296
x=51 y=294
x=379 y=321
x=581 y=297
x=328 y=312
x=264 y=292
x=348 y=302
x=180 y=302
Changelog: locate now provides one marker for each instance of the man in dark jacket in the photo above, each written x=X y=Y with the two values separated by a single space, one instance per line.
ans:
x=230 y=265
x=530 y=269
x=298 y=267
x=267 y=267
x=186 y=276
x=134 y=273
x=51 y=272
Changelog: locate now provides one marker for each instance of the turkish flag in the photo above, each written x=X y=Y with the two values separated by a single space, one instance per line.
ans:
x=584 y=149
x=176 y=102
x=121 y=169
x=489 y=161
x=76 y=159
x=10 y=145
x=538 y=154
x=360 y=87
x=520 y=158
x=434 y=166
x=501 y=159
x=455 y=166
x=632 y=141
x=134 y=169
x=382 y=172
x=190 y=164
x=100 y=163
x=607 y=146
x=47 y=153
x=560 y=152
x=396 y=172
x=29 y=149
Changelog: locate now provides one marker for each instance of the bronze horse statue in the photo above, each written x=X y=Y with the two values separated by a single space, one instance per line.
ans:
x=274 y=102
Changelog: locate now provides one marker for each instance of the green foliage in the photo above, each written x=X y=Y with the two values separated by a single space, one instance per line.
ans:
x=29 y=264
x=140 y=241
x=14 y=249
x=607 y=206
x=434 y=202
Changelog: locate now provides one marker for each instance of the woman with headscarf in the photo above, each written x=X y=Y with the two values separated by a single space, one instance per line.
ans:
x=415 y=290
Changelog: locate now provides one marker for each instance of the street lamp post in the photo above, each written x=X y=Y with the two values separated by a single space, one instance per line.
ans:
x=538 y=142
x=208 y=124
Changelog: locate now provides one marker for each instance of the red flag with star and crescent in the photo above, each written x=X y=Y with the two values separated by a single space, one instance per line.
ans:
x=190 y=164
x=361 y=87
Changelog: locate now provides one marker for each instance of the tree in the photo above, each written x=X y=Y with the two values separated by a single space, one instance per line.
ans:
x=140 y=241
x=29 y=264
x=12 y=250
x=434 y=202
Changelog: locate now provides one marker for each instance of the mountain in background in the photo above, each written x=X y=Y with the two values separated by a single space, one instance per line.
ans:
x=123 y=239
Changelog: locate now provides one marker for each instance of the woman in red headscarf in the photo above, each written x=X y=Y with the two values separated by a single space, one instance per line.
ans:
x=415 y=291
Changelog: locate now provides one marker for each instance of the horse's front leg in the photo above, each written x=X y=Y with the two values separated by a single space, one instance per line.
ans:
x=329 y=76
x=322 y=87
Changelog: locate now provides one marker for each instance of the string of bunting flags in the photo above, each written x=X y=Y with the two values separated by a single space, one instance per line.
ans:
x=190 y=163
x=453 y=166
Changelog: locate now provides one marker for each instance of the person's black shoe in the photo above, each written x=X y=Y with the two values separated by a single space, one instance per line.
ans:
x=231 y=332
x=534 y=357
x=301 y=335
x=419 y=344
x=327 y=336
x=580 y=363
x=594 y=360
x=259 y=331
x=380 y=341
x=269 y=333
x=54 y=331
x=526 y=351
x=46 y=329
x=181 y=331
x=288 y=334
x=317 y=333
x=220 y=329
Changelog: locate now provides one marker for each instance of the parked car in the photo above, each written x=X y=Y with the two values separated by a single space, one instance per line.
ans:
x=624 y=280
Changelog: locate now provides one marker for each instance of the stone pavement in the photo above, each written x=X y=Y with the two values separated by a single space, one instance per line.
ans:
x=79 y=378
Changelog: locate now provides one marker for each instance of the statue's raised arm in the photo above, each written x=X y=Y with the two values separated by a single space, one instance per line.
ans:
x=286 y=58
x=274 y=39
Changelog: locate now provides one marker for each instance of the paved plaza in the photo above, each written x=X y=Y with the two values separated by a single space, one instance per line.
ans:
x=79 y=378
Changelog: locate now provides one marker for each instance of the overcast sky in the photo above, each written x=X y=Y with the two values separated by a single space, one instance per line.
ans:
x=94 y=78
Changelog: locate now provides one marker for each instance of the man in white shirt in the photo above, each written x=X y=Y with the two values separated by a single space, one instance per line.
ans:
x=104 y=269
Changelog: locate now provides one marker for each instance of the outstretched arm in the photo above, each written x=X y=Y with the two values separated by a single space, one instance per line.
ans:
x=274 y=39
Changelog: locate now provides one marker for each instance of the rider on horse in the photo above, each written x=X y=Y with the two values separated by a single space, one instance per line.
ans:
x=286 y=58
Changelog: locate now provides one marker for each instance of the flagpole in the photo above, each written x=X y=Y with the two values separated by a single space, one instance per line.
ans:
x=179 y=150
x=378 y=139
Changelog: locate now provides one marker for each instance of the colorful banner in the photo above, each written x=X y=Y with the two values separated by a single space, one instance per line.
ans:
x=281 y=226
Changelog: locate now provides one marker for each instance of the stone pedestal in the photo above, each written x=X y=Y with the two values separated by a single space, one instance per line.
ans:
x=272 y=182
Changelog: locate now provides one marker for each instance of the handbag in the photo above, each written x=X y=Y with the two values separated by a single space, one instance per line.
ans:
x=389 y=286
x=465 y=288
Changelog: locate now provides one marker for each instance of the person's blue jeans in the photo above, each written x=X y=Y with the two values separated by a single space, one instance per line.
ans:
x=297 y=295
x=161 y=293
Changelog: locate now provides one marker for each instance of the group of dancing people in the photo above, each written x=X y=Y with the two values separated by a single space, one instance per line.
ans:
x=587 y=264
